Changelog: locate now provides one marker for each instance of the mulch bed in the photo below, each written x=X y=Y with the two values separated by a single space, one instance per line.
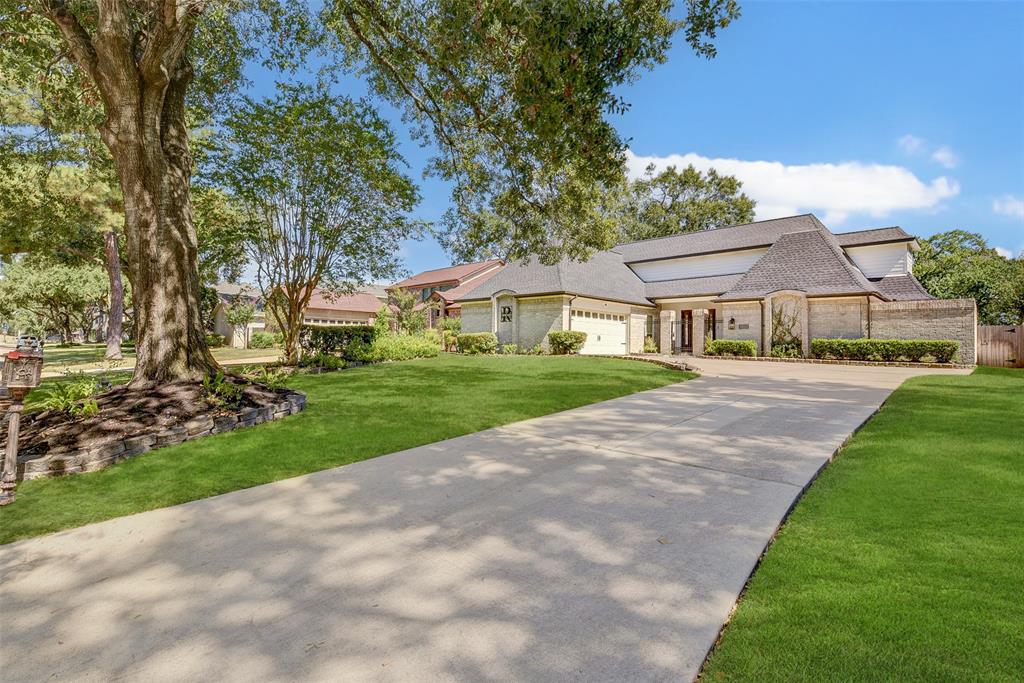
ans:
x=125 y=413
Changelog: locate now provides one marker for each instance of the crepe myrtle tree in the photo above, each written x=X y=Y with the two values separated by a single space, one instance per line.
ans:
x=142 y=73
x=320 y=177
x=515 y=95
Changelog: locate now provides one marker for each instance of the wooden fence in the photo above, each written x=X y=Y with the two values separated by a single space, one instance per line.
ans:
x=1001 y=345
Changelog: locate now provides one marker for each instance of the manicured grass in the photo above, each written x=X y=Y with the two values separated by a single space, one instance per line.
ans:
x=90 y=356
x=351 y=415
x=905 y=560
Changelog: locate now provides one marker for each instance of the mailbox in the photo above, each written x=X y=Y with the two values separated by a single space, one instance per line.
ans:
x=22 y=369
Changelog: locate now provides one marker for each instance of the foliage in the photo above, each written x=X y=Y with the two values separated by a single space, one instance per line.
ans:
x=730 y=347
x=394 y=347
x=262 y=340
x=959 y=264
x=327 y=202
x=566 y=341
x=673 y=201
x=68 y=394
x=789 y=349
x=215 y=341
x=510 y=349
x=478 y=342
x=322 y=361
x=408 y=311
x=220 y=391
x=650 y=346
x=784 y=334
x=58 y=297
x=382 y=321
x=340 y=340
x=912 y=350
x=451 y=328
x=222 y=226
x=516 y=96
x=271 y=377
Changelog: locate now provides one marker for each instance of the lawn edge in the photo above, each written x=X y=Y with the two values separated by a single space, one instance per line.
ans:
x=775 y=533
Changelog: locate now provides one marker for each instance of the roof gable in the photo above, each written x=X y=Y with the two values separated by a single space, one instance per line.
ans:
x=456 y=273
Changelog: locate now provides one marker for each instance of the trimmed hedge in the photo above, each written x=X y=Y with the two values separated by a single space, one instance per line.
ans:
x=342 y=340
x=564 y=342
x=730 y=347
x=478 y=342
x=399 y=347
x=912 y=350
x=264 y=340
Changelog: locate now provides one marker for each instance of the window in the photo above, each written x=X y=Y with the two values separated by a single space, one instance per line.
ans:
x=506 y=314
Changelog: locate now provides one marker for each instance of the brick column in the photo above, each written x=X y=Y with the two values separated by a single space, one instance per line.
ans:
x=699 y=316
x=666 y=320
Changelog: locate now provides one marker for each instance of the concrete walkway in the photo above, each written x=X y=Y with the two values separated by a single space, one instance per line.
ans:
x=606 y=543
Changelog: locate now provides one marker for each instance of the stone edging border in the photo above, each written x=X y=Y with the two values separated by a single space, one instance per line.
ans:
x=104 y=455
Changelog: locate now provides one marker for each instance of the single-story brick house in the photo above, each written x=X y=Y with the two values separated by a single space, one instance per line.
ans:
x=443 y=286
x=728 y=283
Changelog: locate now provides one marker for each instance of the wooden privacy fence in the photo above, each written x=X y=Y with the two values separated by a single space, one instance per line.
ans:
x=1001 y=345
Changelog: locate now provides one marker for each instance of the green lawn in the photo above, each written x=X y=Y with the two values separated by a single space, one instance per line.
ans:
x=351 y=415
x=905 y=560
x=90 y=356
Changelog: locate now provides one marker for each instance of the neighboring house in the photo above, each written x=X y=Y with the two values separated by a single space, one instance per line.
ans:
x=229 y=294
x=443 y=286
x=358 y=308
x=729 y=283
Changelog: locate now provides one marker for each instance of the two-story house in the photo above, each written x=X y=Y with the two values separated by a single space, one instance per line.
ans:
x=441 y=287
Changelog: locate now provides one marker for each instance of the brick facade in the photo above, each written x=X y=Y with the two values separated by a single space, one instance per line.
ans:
x=839 y=318
x=955 y=319
x=746 y=322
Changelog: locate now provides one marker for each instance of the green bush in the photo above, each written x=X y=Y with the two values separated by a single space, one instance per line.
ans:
x=789 y=349
x=510 y=349
x=67 y=395
x=341 y=340
x=910 y=350
x=566 y=341
x=401 y=347
x=215 y=341
x=478 y=342
x=730 y=347
x=261 y=340
x=649 y=345
x=221 y=392
x=322 y=361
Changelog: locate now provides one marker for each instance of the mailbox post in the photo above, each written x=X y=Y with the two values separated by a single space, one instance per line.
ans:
x=22 y=370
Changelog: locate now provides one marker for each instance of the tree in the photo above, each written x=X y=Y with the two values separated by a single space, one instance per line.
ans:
x=515 y=95
x=319 y=177
x=672 y=202
x=239 y=314
x=58 y=297
x=136 y=63
x=960 y=264
x=410 y=317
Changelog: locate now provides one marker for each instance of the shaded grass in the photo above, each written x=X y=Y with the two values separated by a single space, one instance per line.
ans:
x=350 y=416
x=905 y=559
x=72 y=357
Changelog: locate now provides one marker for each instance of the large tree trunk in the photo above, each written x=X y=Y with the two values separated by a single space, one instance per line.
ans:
x=142 y=73
x=115 y=314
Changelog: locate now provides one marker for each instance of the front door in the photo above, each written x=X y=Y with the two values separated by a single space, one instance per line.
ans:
x=686 y=332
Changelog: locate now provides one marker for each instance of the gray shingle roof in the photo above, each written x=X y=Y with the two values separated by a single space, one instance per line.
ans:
x=902 y=288
x=604 y=276
x=746 y=236
x=692 y=286
x=811 y=261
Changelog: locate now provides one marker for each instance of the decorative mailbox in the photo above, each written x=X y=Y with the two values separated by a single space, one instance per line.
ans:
x=22 y=369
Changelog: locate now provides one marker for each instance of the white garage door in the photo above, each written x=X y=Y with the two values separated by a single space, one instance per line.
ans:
x=606 y=332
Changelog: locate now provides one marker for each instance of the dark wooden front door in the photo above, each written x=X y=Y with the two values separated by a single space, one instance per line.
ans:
x=686 y=332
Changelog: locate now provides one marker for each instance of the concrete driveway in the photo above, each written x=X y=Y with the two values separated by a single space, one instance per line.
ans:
x=603 y=543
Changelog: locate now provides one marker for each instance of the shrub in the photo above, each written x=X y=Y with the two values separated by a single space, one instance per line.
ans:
x=478 y=342
x=261 y=340
x=566 y=341
x=322 y=361
x=730 y=347
x=335 y=339
x=649 y=345
x=215 y=341
x=401 y=347
x=274 y=378
x=72 y=395
x=510 y=349
x=789 y=349
x=911 y=350
x=220 y=391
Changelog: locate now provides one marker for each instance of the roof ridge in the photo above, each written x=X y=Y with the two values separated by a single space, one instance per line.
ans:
x=724 y=227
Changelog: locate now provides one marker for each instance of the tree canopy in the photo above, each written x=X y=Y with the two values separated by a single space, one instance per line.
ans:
x=960 y=264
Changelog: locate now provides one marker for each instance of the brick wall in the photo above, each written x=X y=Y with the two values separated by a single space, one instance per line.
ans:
x=746 y=314
x=637 y=330
x=537 y=317
x=838 y=318
x=955 y=319
x=476 y=317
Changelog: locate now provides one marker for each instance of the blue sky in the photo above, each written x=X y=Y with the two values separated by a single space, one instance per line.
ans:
x=866 y=113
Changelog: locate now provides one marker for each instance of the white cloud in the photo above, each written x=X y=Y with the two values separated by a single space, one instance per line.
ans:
x=1008 y=205
x=911 y=144
x=1005 y=253
x=832 y=190
x=944 y=156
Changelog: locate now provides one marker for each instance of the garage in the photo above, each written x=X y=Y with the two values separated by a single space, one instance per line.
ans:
x=606 y=332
